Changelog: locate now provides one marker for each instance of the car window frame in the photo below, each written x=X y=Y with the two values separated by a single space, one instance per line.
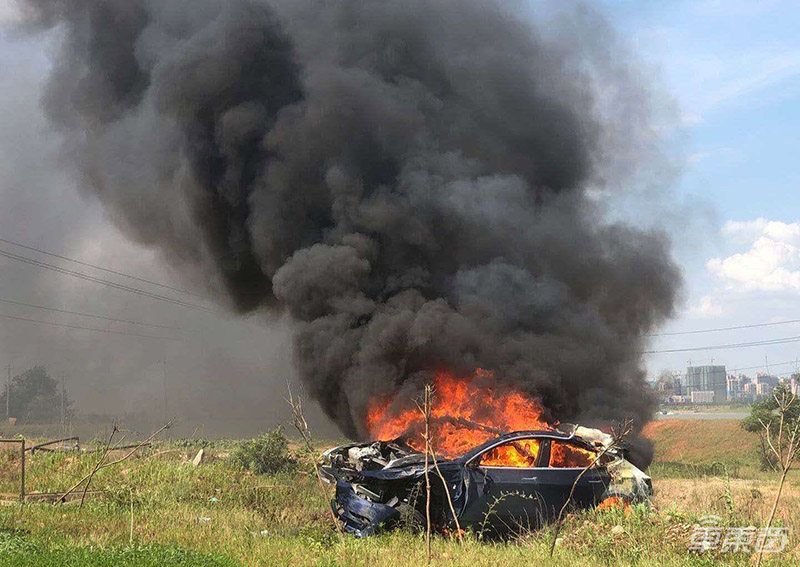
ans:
x=475 y=460
x=596 y=466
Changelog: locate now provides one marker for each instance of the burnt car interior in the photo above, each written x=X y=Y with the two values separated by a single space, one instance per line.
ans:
x=524 y=482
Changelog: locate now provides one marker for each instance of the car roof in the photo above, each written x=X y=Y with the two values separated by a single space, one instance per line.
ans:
x=537 y=433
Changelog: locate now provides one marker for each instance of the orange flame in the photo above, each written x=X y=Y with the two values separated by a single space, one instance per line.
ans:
x=568 y=455
x=615 y=502
x=465 y=413
x=520 y=453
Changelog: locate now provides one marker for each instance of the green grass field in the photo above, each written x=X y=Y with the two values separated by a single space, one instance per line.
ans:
x=157 y=509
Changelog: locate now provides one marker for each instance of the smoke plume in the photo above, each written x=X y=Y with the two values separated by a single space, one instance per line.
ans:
x=415 y=181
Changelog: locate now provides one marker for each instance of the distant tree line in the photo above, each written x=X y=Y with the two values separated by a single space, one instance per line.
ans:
x=35 y=397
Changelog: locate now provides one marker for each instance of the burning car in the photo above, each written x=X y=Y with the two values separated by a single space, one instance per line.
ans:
x=501 y=461
x=513 y=480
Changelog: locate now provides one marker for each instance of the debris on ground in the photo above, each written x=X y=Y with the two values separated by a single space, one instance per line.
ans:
x=198 y=458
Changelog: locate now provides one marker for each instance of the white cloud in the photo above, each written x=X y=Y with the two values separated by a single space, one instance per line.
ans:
x=723 y=154
x=708 y=306
x=772 y=263
x=751 y=230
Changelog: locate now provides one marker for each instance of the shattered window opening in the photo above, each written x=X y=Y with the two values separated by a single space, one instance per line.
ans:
x=520 y=453
x=568 y=455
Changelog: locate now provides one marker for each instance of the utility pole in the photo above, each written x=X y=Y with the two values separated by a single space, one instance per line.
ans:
x=164 y=375
x=8 y=392
x=63 y=413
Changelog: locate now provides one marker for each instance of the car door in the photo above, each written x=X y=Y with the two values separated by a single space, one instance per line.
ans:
x=566 y=463
x=503 y=492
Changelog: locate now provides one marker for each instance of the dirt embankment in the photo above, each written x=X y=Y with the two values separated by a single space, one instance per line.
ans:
x=701 y=441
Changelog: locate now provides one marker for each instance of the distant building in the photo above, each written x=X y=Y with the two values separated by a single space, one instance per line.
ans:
x=706 y=379
x=736 y=387
x=794 y=383
x=765 y=384
x=767 y=379
x=703 y=396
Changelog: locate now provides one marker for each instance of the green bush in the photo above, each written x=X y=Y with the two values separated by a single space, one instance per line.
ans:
x=266 y=454
x=192 y=444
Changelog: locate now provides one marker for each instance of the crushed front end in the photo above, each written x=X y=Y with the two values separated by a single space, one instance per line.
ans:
x=378 y=485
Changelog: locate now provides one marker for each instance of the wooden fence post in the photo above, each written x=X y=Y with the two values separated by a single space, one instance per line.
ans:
x=22 y=481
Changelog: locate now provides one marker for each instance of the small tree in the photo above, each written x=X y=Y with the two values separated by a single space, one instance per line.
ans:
x=36 y=397
x=781 y=432
x=766 y=421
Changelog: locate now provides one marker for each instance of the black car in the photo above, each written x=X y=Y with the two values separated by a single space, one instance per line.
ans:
x=515 y=480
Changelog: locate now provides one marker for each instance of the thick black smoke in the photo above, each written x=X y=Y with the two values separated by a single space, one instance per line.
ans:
x=411 y=179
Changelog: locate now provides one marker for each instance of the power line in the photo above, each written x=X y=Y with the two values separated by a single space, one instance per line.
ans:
x=108 y=283
x=107 y=270
x=163 y=338
x=727 y=346
x=755 y=325
x=92 y=315
x=762 y=366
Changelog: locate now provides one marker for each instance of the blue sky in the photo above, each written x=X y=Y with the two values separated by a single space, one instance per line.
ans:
x=733 y=67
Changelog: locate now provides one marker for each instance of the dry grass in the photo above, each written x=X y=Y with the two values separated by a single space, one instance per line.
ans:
x=701 y=441
x=745 y=500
